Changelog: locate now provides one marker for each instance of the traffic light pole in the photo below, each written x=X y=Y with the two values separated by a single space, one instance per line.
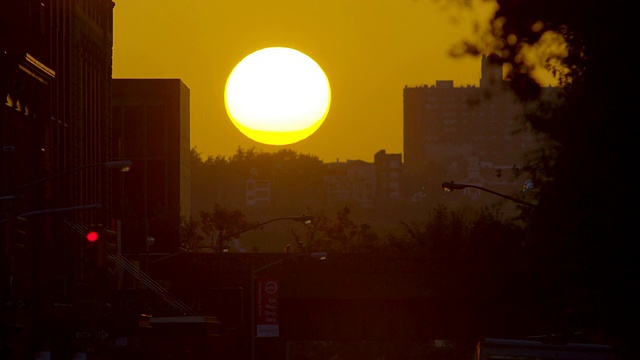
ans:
x=41 y=248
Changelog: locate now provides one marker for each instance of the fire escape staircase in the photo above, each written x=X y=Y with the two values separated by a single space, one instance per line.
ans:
x=188 y=324
x=145 y=279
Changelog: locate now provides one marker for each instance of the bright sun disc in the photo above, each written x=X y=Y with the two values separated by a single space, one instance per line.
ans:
x=277 y=96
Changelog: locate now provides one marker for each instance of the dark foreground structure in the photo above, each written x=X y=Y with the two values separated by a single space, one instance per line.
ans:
x=350 y=305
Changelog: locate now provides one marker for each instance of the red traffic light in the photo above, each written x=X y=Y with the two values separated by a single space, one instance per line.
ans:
x=92 y=236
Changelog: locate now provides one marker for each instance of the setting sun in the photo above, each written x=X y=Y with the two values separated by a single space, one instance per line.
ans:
x=277 y=96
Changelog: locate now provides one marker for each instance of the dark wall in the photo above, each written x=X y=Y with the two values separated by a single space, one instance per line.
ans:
x=344 y=297
x=148 y=121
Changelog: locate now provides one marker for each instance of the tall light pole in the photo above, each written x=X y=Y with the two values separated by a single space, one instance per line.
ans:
x=42 y=254
x=123 y=165
x=222 y=239
x=254 y=272
x=451 y=186
x=150 y=241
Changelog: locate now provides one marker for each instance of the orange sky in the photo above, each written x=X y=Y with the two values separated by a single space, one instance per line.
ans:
x=369 y=49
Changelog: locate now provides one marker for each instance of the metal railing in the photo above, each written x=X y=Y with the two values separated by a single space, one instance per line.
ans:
x=151 y=284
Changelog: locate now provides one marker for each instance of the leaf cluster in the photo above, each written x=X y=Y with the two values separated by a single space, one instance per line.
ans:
x=579 y=232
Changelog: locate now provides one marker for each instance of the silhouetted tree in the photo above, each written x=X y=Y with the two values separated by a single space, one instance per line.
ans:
x=190 y=234
x=338 y=234
x=480 y=231
x=220 y=224
x=587 y=264
x=212 y=182
x=441 y=230
x=295 y=180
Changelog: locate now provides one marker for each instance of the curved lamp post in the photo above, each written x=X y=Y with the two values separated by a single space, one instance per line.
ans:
x=220 y=246
x=123 y=165
x=222 y=239
x=300 y=219
x=450 y=186
x=254 y=272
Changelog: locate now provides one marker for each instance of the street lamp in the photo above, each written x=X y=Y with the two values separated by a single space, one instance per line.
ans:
x=57 y=210
x=254 y=272
x=123 y=165
x=305 y=219
x=301 y=219
x=450 y=186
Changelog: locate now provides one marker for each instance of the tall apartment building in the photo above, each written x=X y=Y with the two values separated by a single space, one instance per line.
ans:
x=467 y=134
x=152 y=123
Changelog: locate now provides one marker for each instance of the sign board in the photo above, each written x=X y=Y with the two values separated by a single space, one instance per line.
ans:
x=267 y=298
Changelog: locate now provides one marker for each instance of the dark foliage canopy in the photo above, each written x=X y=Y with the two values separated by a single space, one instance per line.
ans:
x=587 y=272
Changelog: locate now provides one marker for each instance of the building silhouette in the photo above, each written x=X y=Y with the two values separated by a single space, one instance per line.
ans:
x=362 y=183
x=388 y=176
x=472 y=134
x=350 y=182
x=55 y=124
x=66 y=48
x=151 y=122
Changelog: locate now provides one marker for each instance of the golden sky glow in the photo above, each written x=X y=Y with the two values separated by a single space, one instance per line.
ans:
x=369 y=50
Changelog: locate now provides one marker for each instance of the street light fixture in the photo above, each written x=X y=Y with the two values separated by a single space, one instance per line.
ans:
x=451 y=186
x=123 y=165
x=305 y=219
x=301 y=219
x=254 y=272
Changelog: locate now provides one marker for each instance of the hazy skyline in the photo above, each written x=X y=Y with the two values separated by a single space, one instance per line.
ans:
x=369 y=50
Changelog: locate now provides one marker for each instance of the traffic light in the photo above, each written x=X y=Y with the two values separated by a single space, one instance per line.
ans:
x=92 y=236
x=91 y=251
x=100 y=243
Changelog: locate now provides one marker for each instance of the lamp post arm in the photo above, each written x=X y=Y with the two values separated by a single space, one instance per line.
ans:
x=169 y=256
x=254 y=272
x=35 y=182
x=450 y=186
x=237 y=233
x=51 y=211
x=111 y=164
x=503 y=196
